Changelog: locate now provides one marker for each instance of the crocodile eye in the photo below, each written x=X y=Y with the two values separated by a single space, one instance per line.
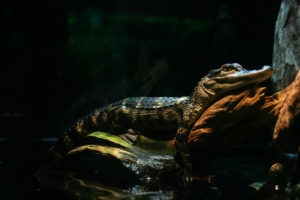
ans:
x=227 y=68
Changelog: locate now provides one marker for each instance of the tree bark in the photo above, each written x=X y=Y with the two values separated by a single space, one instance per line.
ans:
x=286 y=52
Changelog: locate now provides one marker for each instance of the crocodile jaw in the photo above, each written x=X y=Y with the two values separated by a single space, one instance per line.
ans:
x=221 y=85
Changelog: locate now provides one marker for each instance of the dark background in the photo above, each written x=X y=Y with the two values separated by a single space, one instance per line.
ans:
x=55 y=54
x=60 y=59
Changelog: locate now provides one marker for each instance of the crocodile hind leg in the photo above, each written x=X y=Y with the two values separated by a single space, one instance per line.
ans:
x=131 y=136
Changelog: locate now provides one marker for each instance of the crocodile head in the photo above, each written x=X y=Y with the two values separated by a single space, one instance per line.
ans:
x=225 y=79
x=232 y=76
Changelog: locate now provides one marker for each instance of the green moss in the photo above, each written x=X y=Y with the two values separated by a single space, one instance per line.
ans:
x=118 y=153
x=156 y=146
x=143 y=143
x=109 y=137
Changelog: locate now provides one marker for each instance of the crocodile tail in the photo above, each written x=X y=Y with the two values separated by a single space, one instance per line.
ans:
x=99 y=120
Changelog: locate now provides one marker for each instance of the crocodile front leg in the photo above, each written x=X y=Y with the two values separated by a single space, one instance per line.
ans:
x=182 y=155
x=190 y=115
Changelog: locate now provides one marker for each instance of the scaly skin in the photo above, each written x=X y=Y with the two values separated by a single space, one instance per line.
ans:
x=151 y=114
x=156 y=114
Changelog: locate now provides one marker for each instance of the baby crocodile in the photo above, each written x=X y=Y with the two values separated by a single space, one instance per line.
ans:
x=161 y=114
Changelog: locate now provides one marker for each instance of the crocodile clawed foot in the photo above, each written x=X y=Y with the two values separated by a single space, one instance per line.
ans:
x=129 y=138
x=187 y=177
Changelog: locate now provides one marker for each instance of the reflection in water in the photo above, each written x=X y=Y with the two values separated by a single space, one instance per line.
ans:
x=70 y=185
x=114 y=170
x=109 y=168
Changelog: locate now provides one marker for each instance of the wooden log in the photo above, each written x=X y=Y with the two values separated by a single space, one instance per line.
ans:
x=286 y=132
x=286 y=54
x=243 y=116
x=246 y=116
